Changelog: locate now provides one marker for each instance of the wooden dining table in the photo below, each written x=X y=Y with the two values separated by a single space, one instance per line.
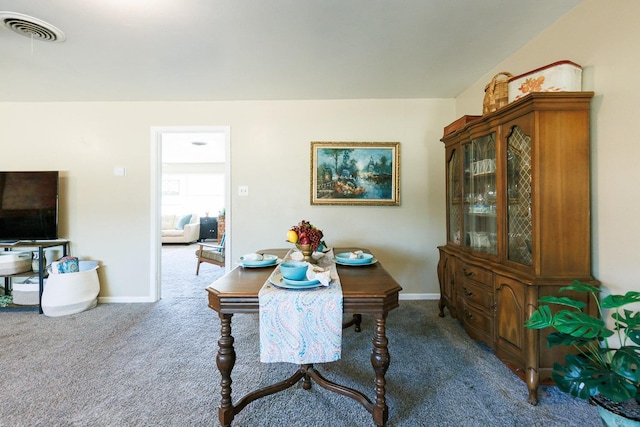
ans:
x=367 y=290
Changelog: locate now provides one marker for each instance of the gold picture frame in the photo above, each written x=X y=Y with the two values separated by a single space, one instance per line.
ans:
x=355 y=173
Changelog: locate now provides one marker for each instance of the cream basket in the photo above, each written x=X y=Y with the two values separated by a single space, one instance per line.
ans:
x=71 y=293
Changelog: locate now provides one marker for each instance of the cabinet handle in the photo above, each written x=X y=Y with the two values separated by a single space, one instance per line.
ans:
x=467 y=272
x=469 y=315
x=467 y=293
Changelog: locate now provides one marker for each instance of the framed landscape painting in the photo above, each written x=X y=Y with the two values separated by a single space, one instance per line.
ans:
x=355 y=173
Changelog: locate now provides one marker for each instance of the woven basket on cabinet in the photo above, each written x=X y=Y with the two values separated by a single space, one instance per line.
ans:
x=496 y=93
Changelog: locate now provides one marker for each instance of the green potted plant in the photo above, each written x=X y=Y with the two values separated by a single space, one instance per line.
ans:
x=606 y=374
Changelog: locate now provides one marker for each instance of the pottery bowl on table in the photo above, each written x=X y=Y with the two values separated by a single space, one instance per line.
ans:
x=294 y=270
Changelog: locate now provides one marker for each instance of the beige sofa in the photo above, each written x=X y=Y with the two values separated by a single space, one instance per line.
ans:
x=180 y=228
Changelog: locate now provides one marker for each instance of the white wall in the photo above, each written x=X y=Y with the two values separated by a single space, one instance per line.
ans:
x=602 y=36
x=107 y=217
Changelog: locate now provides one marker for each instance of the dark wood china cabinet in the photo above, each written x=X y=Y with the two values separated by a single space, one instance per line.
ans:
x=518 y=223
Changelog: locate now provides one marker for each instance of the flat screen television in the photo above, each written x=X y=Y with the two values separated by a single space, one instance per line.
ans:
x=28 y=205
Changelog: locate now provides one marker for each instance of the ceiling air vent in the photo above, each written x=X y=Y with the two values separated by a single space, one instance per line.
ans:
x=31 y=27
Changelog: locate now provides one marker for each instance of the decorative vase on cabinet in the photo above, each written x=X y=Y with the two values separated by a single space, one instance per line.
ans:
x=518 y=223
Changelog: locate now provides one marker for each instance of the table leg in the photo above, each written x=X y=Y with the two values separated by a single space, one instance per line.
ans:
x=306 y=379
x=225 y=360
x=356 y=319
x=380 y=361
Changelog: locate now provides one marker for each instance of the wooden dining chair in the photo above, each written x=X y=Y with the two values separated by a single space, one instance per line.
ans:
x=213 y=254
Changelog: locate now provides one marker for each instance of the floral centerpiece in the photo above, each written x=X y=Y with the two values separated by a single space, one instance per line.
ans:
x=307 y=237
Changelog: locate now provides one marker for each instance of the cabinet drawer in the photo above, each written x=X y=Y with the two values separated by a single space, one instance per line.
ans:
x=478 y=325
x=477 y=274
x=476 y=294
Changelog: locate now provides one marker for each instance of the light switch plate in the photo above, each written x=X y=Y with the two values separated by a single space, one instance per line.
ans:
x=243 y=190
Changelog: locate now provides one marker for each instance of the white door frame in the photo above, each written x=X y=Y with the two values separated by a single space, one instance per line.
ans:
x=155 y=248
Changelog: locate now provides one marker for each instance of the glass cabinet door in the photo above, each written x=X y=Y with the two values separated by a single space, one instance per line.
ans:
x=480 y=197
x=519 y=223
x=455 y=194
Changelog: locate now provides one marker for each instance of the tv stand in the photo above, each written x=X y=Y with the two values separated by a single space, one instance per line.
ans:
x=41 y=245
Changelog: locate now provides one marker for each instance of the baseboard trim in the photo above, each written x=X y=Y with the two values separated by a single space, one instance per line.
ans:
x=124 y=300
x=408 y=297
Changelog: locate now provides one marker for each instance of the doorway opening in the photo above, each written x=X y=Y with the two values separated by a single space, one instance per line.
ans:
x=190 y=178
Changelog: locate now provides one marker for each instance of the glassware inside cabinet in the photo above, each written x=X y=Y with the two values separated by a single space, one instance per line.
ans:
x=479 y=195
x=519 y=221
x=455 y=197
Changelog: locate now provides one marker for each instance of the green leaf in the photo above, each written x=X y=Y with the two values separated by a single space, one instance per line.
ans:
x=566 y=301
x=582 y=378
x=578 y=377
x=540 y=319
x=580 y=325
x=580 y=287
x=616 y=387
x=634 y=335
x=557 y=338
x=626 y=363
x=615 y=301
x=630 y=323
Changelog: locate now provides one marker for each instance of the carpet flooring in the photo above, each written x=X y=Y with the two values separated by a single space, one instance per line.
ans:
x=154 y=365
